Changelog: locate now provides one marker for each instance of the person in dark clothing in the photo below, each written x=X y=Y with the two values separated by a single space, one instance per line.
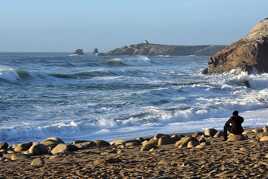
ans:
x=234 y=125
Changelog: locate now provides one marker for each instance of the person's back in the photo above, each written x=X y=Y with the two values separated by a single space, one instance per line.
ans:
x=234 y=125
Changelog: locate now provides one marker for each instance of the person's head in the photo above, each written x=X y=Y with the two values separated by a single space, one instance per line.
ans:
x=235 y=113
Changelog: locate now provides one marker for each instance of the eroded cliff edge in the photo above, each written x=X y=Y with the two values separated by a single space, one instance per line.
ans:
x=248 y=54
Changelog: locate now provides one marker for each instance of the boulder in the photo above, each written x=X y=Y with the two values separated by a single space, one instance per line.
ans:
x=3 y=146
x=38 y=162
x=176 y=137
x=201 y=145
x=257 y=130
x=264 y=139
x=157 y=136
x=233 y=137
x=22 y=147
x=201 y=139
x=51 y=142
x=165 y=140
x=196 y=134
x=117 y=142
x=148 y=145
x=183 y=142
x=132 y=143
x=102 y=143
x=80 y=141
x=63 y=148
x=260 y=135
x=265 y=129
x=191 y=144
x=210 y=132
x=85 y=145
x=249 y=54
x=38 y=149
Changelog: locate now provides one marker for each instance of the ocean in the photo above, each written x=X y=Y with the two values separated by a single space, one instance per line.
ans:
x=89 y=97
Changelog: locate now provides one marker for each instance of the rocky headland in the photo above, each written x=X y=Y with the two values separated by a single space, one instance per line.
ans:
x=150 y=49
x=248 y=54
x=196 y=155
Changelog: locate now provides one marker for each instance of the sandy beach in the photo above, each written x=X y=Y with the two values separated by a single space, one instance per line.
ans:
x=196 y=155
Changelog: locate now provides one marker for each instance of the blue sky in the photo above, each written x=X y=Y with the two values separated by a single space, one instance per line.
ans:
x=62 y=25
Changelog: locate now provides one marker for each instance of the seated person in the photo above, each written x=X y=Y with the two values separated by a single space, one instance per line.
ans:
x=234 y=125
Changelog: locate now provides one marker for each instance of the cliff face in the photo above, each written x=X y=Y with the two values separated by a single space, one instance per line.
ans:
x=158 y=49
x=249 y=54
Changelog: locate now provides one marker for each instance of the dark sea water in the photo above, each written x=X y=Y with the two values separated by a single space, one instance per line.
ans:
x=89 y=97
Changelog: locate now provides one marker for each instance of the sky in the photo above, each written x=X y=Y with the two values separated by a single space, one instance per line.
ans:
x=64 y=25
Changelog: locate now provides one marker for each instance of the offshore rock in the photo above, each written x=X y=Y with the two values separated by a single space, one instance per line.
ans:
x=249 y=54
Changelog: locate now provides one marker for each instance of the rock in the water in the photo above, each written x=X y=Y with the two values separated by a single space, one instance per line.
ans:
x=38 y=149
x=233 y=137
x=210 y=132
x=248 y=54
x=85 y=145
x=22 y=147
x=264 y=139
x=102 y=143
x=51 y=142
x=148 y=145
x=38 y=162
x=63 y=148
x=3 y=146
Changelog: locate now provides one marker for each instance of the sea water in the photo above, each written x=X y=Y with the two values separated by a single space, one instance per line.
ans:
x=89 y=97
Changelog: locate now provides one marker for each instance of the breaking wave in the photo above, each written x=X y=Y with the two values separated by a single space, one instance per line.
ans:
x=9 y=74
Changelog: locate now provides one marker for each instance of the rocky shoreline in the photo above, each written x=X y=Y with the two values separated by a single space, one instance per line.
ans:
x=196 y=155
x=249 y=54
x=150 y=49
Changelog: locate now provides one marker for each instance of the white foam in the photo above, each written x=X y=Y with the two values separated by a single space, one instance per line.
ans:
x=8 y=74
